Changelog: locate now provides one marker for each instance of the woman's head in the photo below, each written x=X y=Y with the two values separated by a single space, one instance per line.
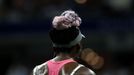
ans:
x=65 y=34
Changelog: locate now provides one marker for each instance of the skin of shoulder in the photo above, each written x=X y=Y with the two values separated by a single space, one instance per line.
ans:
x=85 y=71
x=40 y=70
x=81 y=71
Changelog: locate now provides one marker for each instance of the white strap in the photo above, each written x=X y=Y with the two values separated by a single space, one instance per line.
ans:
x=73 y=72
x=63 y=72
x=92 y=72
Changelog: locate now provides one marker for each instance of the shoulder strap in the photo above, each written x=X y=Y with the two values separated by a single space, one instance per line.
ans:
x=78 y=67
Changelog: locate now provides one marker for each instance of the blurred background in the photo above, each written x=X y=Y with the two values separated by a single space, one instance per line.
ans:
x=107 y=24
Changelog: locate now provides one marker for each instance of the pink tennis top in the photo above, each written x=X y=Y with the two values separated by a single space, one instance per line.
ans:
x=54 y=67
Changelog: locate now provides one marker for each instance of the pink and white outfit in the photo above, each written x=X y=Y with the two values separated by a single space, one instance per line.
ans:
x=54 y=67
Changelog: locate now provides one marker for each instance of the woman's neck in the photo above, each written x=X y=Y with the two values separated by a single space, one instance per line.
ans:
x=61 y=57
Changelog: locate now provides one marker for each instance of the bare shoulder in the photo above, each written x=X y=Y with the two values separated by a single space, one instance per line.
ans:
x=85 y=71
x=40 y=69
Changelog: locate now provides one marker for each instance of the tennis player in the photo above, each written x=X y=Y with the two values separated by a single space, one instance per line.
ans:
x=66 y=39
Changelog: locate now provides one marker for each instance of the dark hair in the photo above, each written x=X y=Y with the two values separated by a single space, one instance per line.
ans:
x=63 y=37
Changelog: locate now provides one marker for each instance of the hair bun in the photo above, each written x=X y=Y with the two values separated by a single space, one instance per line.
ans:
x=66 y=20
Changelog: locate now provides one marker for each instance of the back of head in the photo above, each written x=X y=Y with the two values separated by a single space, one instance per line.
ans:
x=65 y=32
